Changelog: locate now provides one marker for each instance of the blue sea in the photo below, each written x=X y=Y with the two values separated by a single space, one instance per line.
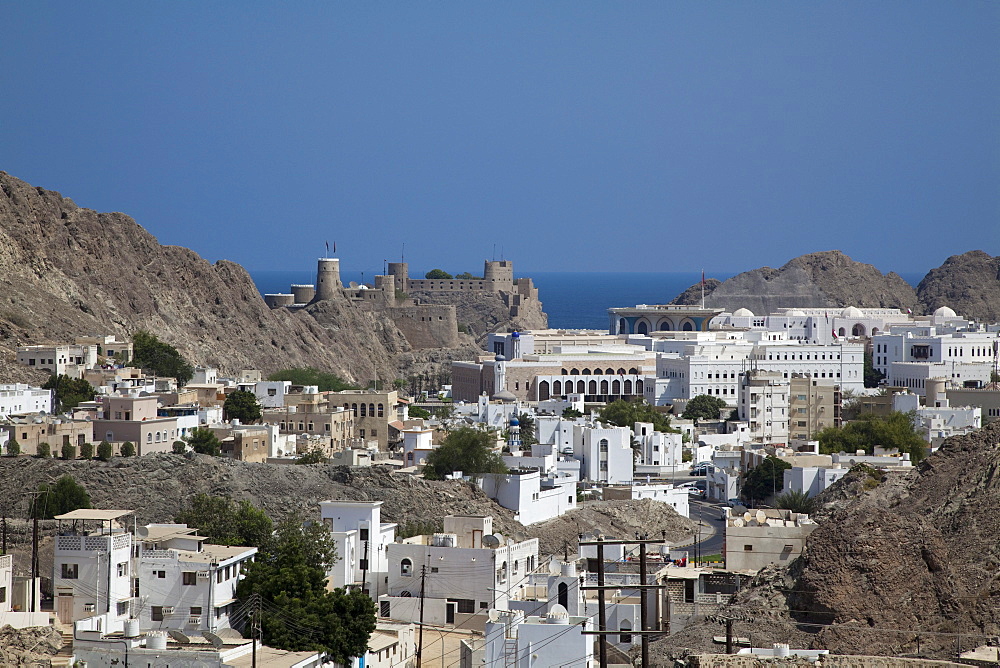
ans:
x=573 y=300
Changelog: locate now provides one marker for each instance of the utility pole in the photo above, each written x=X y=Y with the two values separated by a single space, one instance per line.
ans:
x=255 y=630
x=602 y=613
x=420 y=637
x=3 y=532
x=601 y=587
x=643 y=614
x=34 y=562
x=729 y=636
x=364 y=569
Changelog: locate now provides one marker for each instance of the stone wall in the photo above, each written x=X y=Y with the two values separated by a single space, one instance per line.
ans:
x=426 y=326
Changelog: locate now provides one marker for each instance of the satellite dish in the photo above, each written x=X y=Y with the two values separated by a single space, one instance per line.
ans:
x=142 y=531
x=753 y=523
x=354 y=284
x=494 y=615
x=491 y=541
x=229 y=634
x=761 y=516
x=747 y=516
x=520 y=536
x=738 y=522
x=554 y=568
x=216 y=641
x=178 y=636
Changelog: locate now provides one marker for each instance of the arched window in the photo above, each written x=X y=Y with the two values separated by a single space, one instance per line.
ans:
x=621 y=372
x=625 y=638
x=628 y=387
x=580 y=387
x=502 y=572
x=634 y=371
x=622 y=326
x=643 y=328
x=638 y=387
x=543 y=390
x=557 y=388
x=347 y=407
x=406 y=567
x=364 y=410
x=688 y=327
x=592 y=387
x=381 y=410
x=609 y=372
x=565 y=372
x=586 y=372
x=858 y=330
x=602 y=445
x=604 y=387
x=149 y=437
x=841 y=332
x=354 y=409
x=574 y=372
x=371 y=410
x=666 y=326
x=563 y=594
x=616 y=387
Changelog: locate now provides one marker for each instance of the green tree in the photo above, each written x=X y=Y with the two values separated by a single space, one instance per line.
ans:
x=571 y=413
x=68 y=392
x=203 y=441
x=527 y=425
x=68 y=451
x=87 y=451
x=299 y=614
x=327 y=382
x=896 y=430
x=765 y=479
x=43 y=450
x=65 y=495
x=438 y=274
x=466 y=276
x=467 y=450
x=104 y=451
x=871 y=374
x=704 y=407
x=243 y=406
x=314 y=456
x=128 y=450
x=796 y=501
x=224 y=522
x=160 y=358
x=13 y=447
x=179 y=447
x=418 y=412
x=623 y=413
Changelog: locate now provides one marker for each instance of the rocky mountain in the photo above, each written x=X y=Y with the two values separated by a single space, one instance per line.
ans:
x=969 y=283
x=828 y=278
x=897 y=563
x=67 y=271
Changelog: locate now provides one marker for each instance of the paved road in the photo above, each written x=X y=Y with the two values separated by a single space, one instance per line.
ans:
x=708 y=516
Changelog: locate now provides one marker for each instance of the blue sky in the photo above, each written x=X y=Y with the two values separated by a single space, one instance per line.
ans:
x=575 y=136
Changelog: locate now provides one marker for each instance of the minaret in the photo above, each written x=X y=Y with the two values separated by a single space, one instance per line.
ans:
x=515 y=346
x=499 y=374
x=514 y=434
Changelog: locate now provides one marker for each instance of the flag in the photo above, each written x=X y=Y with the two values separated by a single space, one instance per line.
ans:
x=334 y=247
x=327 y=247
x=909 y=312
x=702 y=278
x=834 y=332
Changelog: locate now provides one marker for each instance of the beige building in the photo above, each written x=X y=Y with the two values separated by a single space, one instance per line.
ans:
x=134 y=419
x=372 y=412
x=29 y=432
x=988 y=399
x=760 y=537
x=812 y=406
x=336 y=425
x=248 y=443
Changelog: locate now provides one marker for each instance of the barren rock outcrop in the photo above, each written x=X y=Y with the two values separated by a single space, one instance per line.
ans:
x=968 y=283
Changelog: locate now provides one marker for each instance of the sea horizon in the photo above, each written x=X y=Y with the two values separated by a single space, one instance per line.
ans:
x=572 y=300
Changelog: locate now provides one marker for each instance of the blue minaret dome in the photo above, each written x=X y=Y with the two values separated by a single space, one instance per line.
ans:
x=516 y=335
x=514 y=422
x=500 y=358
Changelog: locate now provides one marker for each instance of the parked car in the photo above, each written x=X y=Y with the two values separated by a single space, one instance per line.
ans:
x=699 y=469
x=732 y=503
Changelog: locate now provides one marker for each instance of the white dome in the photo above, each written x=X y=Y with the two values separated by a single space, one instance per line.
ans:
x=743 y=313
x=796 y=313
x=945 y=312
x=852 y=312
x=557 y=615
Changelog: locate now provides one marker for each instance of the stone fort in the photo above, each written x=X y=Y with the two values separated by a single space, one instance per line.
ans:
x=397 y=296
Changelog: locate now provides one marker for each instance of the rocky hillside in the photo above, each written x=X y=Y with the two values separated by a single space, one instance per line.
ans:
x=969 y=283
x=159 y=486
x=67 y=271
x=897 y=561
x=484 y=313
x=829 y=278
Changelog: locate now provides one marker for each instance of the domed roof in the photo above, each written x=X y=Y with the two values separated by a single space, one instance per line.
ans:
x=796 y=313
x=852 y=312
x=514 y=422
x=505 y=396
x=515 y=335
x=557 y=615
x=743 y=313
x=500 y=358
x=945 y=312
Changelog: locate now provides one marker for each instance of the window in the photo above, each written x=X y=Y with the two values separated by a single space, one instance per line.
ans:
x=196 y=611
x=123 y=569
x=434 y=569
x=218 y=576
x=364 y=564
x=406 y=568
x=3 y=594
x=364 y=534
x=374 y=432
x=160 y=574
x=122 y=607
x=466 y=605
x=157 y=613
x=383 y=608
x=70 y=571
x=748 y=548
x=189 y=578
x=272 y=392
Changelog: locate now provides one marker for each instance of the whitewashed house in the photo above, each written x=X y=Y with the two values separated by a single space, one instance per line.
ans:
x=605 y=453
x=532 y=496
x=362 y=541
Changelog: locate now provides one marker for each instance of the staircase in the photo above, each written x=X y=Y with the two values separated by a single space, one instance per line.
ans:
x=62 y=657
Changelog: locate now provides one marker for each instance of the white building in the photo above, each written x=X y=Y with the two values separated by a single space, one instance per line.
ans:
x=532 y=496
x=764 y=405
x=811 y=480
x=463 y=571
x=675 y=497
x=417 y=445
x=963 y=357
x=15 y=598
x=271 y=393
x=605 y=453
x=184 y=583
x=92 y=566
x=552 y=639
x=70 y=359
x=659 y=452
x=362 y=541
x=20 y=398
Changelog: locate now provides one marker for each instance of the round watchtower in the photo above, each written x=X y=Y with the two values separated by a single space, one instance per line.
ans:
x=499 y=271
x=328 y=278
x=303 y=293
x=401 y=271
